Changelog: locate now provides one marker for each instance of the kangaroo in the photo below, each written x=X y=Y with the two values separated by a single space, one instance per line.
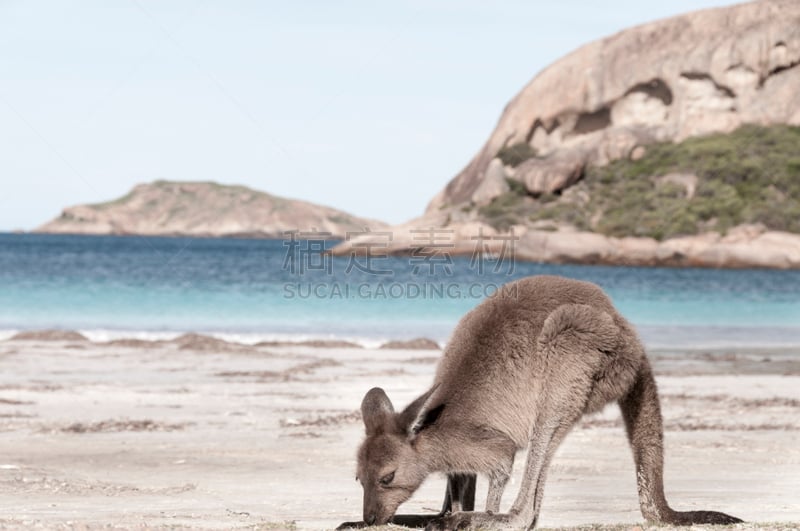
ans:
x=519 y=371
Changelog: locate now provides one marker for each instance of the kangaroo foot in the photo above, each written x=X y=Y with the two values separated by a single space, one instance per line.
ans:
x=413 y=521
x=351 y=525
x=473 y=520
x=700 y=517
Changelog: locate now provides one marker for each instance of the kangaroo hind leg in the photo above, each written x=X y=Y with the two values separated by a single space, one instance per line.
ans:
x=642 y=414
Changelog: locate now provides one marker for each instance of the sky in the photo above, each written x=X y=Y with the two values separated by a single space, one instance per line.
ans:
x=369 y=107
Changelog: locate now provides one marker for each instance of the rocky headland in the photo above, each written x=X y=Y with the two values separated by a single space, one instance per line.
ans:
x=671 y=143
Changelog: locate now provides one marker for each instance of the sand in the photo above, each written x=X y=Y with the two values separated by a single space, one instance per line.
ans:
x=196 y=433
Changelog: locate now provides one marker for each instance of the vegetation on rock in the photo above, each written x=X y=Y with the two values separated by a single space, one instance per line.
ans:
x=516 y=154
x=510 y=208
x=751 y=175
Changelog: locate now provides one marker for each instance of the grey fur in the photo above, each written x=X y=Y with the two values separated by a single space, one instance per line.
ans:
x=520 y=370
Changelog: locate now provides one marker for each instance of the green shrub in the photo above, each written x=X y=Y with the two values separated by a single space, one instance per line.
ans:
x=516 y=188
x=751 y=175
x=341 y=219
x=516 y=154
x=507 y=209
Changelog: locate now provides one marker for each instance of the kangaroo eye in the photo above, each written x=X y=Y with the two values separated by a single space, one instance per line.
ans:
x=387 y=479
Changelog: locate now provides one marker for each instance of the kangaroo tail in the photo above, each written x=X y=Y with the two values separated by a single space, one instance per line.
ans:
x=642 y=415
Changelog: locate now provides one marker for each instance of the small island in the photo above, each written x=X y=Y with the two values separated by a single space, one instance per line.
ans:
x=171 y=208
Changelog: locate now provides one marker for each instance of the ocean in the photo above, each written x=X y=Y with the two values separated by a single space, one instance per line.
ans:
x=253 y=290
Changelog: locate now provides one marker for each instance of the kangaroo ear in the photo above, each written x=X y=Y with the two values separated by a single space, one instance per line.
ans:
x=420 y=414
x=376 y=410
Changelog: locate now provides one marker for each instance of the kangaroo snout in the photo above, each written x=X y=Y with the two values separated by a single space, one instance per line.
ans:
x=376 y=513
x=377 y=517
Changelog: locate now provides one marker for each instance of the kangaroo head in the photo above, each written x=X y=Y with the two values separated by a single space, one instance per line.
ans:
x=390 y=467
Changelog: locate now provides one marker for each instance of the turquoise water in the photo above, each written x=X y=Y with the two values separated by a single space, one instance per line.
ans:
x=256 y=289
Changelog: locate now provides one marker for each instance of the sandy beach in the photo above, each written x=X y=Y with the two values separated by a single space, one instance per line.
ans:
x=200 y=433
